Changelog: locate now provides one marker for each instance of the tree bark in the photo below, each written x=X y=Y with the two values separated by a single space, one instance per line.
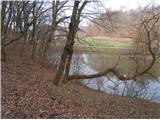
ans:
x=25 y=20
x=66 y=57
x=3 y=57
x=34 y=31
x=61 y=67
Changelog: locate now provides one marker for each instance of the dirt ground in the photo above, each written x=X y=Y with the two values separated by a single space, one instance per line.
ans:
x=28 y=92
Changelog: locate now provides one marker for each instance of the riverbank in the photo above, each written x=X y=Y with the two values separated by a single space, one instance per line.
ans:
x=27 y=92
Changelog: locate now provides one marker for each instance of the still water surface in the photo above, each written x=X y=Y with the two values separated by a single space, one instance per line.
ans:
x=93 y=63
x=149 y=89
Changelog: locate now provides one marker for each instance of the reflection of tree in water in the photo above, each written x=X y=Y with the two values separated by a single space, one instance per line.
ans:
x=126 y=66
x=112 y=85
x=131 y=88
x=76 y=64
x=126 y=88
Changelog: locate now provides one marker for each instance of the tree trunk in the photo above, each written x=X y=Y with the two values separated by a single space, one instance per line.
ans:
x=68 y=50
x=23 y=45
x=33 y=49
x=3 y=30
x=61 y=67
x=34 y=30
x=25 y=20
x=68 y=65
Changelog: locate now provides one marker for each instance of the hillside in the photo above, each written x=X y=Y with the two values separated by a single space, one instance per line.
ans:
x=27 y=92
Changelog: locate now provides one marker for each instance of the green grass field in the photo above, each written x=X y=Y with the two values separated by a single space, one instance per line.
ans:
x=95 y=45
x=103 y=43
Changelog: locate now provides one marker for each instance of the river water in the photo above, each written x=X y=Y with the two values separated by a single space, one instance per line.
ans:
x=148 y=88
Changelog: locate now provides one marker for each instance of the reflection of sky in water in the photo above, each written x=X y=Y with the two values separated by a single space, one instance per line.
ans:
x=111 y=85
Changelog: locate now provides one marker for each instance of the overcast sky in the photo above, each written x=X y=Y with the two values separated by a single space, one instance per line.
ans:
x=127 y=4
x=114 y=5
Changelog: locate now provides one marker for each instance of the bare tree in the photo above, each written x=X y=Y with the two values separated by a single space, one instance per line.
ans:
x=150 y=29
x=6 y=13
x=57 y=8
x=26 y=13
x=68 y=49
x=3 y=14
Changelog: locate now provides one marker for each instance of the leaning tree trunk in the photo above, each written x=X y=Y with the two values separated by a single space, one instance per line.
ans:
x=66 y=57
x=61 y=67
x=68 y=64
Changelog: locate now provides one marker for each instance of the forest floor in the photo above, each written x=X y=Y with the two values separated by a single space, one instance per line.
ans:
x=28 y=92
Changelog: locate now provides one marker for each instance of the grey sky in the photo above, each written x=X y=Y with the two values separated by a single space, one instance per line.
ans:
x=128 y=4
